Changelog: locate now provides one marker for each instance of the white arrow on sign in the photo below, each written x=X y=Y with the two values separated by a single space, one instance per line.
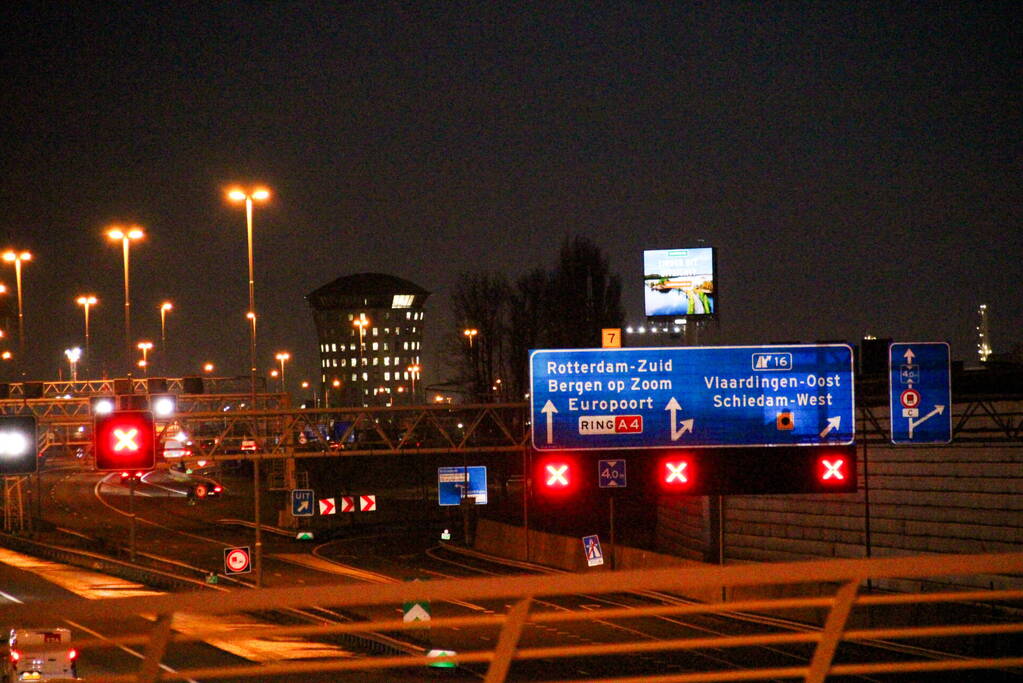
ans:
x=686 y=425
x=416 y=613
x=549 y=411
x=938 y=410
x=303 y=505
x=833 y=423
x=909 y=356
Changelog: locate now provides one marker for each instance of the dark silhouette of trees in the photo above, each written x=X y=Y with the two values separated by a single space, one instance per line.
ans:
x=562 y=308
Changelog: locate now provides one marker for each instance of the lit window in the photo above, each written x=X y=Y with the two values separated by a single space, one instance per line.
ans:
x=355 y=361
x=387 y=360
x=376 y=360
x=344 y=362
x=335 y=362
x=387 y=376
x=406 y=375
x=351 y=347
x=365 y=376
x=351 y=316
x=333 y=348
x=396 y=360
x=408 y=315
x=405 y=346
x=402 y=300
x=365 y=361
x=376 y=346
x=354 y=377
x=376 y=331
x=385 y=346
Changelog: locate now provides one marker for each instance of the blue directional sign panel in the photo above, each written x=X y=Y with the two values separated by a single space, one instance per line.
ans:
x=302 y=503
x=453 y=485
x=920 y=392
x=585 y=399
x=611 y=474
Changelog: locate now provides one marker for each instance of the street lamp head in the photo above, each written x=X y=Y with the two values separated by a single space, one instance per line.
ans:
x=274 y=373
x=86 y=300
x=237 y=194
x=73 y=354
x=208 y=367
x=250 y=315
x=166 y=306
x=283 y=355
x=118 y=233
x=6 y=355
x=10 y=256
x=145 y=346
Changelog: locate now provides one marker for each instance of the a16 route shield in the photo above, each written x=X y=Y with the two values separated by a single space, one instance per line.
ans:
x=586 y=399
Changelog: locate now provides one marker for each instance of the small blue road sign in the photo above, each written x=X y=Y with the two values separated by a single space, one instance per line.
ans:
x=453 y=485
x=920 y=396
x=302 y=503
x=593 y=399
x=591 y=548
x=611 y=474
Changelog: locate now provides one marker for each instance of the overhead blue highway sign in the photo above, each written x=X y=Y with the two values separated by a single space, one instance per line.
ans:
x=302 y=503
x=453 y=485
x=920 y=392
x=593 y=399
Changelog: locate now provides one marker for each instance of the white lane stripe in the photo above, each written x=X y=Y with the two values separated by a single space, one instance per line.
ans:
x=96 y=634
x=10 y=597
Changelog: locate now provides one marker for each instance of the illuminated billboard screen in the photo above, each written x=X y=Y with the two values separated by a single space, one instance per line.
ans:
x=679 y=282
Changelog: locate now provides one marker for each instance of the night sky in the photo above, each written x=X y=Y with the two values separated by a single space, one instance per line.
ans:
x=857 y=165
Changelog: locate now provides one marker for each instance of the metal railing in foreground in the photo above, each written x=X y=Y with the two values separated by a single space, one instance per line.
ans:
x=846 y=575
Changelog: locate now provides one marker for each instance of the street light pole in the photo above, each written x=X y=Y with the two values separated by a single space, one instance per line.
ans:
x=85 y=301
x=164 y=307
x=12 y=256
x=126 y=236
x=283 y=356
x=237 y=195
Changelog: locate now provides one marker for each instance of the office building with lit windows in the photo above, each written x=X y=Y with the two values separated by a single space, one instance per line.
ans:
x=370 y=331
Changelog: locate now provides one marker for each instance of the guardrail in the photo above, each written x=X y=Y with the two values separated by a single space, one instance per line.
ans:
x=524 y=591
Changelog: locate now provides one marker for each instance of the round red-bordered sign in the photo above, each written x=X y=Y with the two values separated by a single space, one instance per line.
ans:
x=910 y=398
x=236 y=560
x=200 y=490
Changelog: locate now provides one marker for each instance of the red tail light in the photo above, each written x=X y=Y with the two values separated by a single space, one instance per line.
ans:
x=72 y=654
x=15 y=655
x=217 y=489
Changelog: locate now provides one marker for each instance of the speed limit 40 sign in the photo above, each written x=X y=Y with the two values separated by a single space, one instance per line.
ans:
x=237 y=560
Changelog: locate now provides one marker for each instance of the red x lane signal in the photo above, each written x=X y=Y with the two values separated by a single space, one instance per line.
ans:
x=831 y=469
x=557 y=474
x=677 y=473
x=125 y=440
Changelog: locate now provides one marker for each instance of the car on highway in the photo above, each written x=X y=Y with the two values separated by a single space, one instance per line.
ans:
x=200 y=485
x=38 y=654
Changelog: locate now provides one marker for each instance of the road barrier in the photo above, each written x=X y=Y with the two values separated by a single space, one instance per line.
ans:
x=524 y=592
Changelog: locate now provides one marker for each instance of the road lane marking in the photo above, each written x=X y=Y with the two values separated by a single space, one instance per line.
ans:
x=125 y=648
x=93 y=585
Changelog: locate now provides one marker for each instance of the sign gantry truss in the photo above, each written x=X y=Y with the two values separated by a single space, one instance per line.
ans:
x=222 y=427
